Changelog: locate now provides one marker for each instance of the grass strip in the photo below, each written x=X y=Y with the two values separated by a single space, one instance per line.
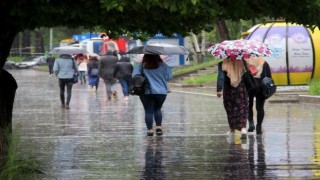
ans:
x=314 y=87
x=201 y=79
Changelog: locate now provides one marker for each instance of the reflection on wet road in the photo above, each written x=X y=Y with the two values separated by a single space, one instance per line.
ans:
x=102 y=139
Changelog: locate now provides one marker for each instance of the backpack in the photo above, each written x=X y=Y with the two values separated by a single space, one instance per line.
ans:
x=138 y=84
x=268 y=87
x=94 y=72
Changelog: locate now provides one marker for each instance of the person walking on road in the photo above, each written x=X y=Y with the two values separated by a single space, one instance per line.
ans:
x=64 y=68
x=123 y=72
x=106 y=66
x=82 y=64
x=50 y=60
x=235 y=95
x=158 y=74
x=93 y=77
x=260 y=69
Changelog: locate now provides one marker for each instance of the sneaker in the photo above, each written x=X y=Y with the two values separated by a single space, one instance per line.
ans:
x=243 y=133
x=159 y=132
x=114 y=94
x=258 y=130
x=62 y=106
x=67 y=107
x=126 y=98
x=149 y=133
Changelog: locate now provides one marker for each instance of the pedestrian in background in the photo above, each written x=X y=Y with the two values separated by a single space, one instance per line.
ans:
x=64 y=68
x=235 y=95
x=158 y=74
x=123 y=72
x=92 y=76
x=82 y=68
x=260 y=69
x=50 y=61
x=106 y=66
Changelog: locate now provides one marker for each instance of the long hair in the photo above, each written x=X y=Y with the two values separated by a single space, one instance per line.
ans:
x=151 y=61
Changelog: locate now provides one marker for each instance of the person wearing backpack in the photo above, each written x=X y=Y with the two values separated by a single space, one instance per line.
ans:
x=93 y=76
x=157 y=74
x=260 y=69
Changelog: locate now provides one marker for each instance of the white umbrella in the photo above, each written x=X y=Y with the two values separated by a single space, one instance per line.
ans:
x=159 y=48
x=68 y=50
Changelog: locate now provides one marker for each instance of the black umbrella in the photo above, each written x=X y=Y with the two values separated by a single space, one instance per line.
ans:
x=159 y=48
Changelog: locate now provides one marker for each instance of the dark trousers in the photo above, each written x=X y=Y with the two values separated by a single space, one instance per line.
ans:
x=152 y=104
x=62 y=84
x=259 y=106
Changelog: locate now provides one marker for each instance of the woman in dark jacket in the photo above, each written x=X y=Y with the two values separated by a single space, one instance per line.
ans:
x=123 y=72
x=93 y=78
x=260 y=100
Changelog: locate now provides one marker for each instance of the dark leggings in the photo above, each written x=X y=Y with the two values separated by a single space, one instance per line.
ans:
x=152 y=104
x=62 y=84
x=259 y=107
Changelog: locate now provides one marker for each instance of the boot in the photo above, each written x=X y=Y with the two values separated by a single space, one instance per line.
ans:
x=258 y=130
x=251 y=127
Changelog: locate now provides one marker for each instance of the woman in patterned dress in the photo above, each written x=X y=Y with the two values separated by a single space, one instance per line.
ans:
x=235 y=95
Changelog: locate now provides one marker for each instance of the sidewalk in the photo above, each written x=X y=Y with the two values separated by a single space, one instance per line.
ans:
x=101 y=139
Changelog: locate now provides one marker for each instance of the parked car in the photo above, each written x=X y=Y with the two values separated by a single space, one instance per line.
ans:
x=40 y=60
x=9 y=65
x=27 y=62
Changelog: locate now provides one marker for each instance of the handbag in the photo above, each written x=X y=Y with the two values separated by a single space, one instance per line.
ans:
x=94 y=72
x=250 y=82
x=138 y=84
x=268 y=87
x=75 y=73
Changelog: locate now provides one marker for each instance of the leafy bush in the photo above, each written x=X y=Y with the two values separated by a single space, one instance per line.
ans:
x=14 y=165
x=314 y=87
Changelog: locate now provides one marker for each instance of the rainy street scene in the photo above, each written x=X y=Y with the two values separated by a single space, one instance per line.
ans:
x=99 y=138
x=159 y=90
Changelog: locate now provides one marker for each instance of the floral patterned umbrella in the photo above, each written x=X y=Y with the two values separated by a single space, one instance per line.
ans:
x=240 y=49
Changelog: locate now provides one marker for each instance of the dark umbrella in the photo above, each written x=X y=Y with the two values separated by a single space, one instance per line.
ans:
x=159 y=48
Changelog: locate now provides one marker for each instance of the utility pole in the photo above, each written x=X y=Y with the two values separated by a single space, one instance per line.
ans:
x=51 y=38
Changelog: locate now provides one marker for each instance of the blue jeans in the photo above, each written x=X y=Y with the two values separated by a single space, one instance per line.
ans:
x=152 y=104
x=82 y=76
x=125 y=84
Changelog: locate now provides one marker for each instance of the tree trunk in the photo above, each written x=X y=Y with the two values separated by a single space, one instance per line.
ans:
x=203 y=42
x=15 y=50
x=8 y=86
x=198 y=54
x=26 y=43
x=38 y=42
x=222 y=30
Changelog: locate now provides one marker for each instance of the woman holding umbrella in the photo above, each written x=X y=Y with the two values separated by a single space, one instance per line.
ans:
x=158 y=74
x=235 y=95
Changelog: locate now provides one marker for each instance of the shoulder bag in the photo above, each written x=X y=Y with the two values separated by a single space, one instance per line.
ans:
x=138 y=83
x=268 y=87
x=75 y=73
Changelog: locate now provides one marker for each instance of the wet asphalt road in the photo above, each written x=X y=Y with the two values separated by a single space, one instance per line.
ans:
x=105 y=139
